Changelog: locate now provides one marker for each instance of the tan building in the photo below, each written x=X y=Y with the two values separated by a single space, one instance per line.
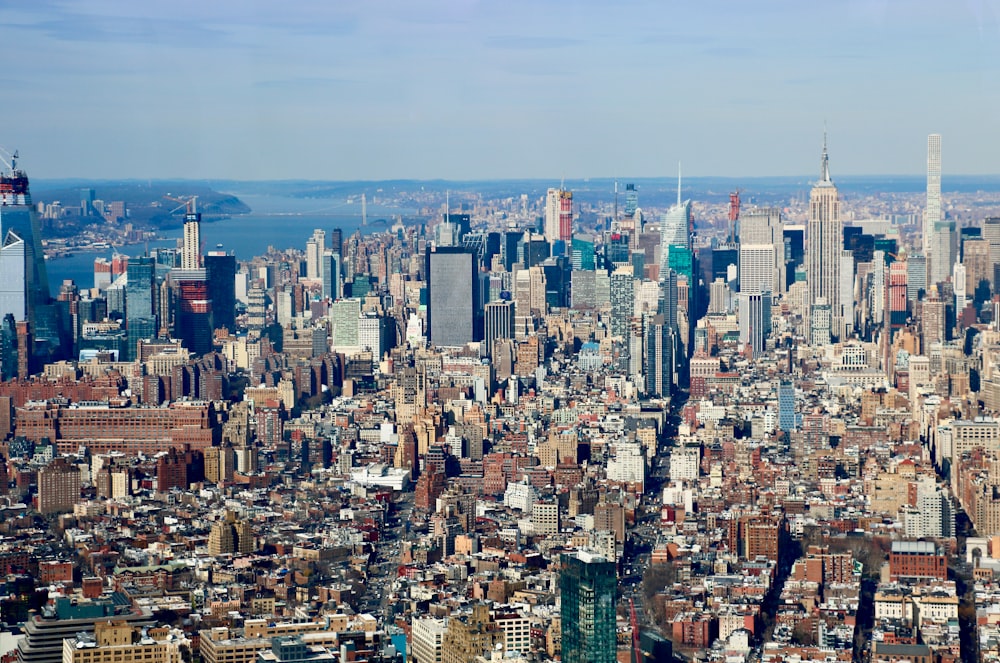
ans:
x=120 y=642
x=231 y=536
x=58 y=487
x=470 y=636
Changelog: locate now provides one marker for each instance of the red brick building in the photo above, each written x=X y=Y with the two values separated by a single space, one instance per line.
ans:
x=917 y=559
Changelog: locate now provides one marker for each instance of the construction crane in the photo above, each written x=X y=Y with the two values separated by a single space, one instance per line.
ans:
x=190 y=204
x=636 y=649
x=9 y=160
x=734 y=211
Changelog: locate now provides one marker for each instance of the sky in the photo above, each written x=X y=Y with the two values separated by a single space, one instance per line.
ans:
x=484 y=89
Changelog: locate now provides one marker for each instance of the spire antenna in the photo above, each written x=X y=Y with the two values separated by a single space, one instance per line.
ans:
x=824 y=172
x=678 y=183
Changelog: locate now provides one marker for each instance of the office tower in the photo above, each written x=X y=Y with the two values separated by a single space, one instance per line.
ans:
x=191 y=251
x=675 y=226
x=756 y=268
x=499 y=323
x=330 y=264
x=958 y=283
x=220 y=269
x=668 y=298
x=558 y=215
x=140 y=303
x=373 y=333
x=587 y=587
x=991 y=233
x=622 y=301
x=18 y=214
x=847 y=290
x=193 y=310
x=755 y=321
x=344 y=317
x=718 y=296
x=452 y=293
x=58 y=487
x=337 y=241
x=943 y=251
x=315 y=246
x=978 y=268
x=820 y=322
x=87 y=202
x=825 y=242
x=933 y=214
x=566 y=216
x=786 y=406
x=897 y=294
x=916 y=276
x=13 y=277
x=724 y=256
x=631 y=200
x=582 y=253
x=658 y=360
x=760 y=227
x=932 y=322
x=616 y=251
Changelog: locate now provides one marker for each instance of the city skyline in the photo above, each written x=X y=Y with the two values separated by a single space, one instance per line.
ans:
x=468 y=90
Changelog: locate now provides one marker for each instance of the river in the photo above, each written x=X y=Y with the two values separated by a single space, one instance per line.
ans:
x=278 y=221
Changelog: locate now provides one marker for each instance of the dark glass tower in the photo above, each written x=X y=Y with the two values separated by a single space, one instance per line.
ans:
x=453 y=317
x=220 y=268
x=18 y=214
x=193 y=317
x=140 y=303
x=587 y=588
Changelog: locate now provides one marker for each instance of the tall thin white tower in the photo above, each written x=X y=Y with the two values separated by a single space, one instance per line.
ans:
x=932 y=213
x=191 y=250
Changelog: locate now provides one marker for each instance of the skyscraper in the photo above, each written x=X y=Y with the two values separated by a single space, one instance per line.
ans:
x=499 y=323
x=762 y=226
x=558 y=215
x=786 y=405
x=18 y=214
x=140 y=303
x=755 y=320
x=191 y=252
x=193 y=318
x=314 y=251
x=13 y=282
x=452 y=293
x=587 y=587
x=825 y=243
x=932 y=214
x=622 y=300
x=220 y=269
x=330 y=269
x=659 y=361
x=940 y=240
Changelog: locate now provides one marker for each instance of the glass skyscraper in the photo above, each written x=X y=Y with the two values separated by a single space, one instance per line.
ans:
x=140 y=303
x=452 y=293
x=587 y=589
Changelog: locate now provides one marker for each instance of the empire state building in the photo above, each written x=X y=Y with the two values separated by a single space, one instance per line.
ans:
x=824 y=247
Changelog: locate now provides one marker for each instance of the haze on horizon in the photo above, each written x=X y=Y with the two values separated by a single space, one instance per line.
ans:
x=467 y=89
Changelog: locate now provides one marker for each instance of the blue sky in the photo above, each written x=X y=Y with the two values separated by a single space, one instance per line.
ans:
x=464 y=89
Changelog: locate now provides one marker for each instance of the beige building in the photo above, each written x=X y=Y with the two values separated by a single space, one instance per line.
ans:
x=58 y=487
x=120 y=642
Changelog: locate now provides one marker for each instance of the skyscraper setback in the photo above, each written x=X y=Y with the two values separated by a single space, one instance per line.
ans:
x=824 y=245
